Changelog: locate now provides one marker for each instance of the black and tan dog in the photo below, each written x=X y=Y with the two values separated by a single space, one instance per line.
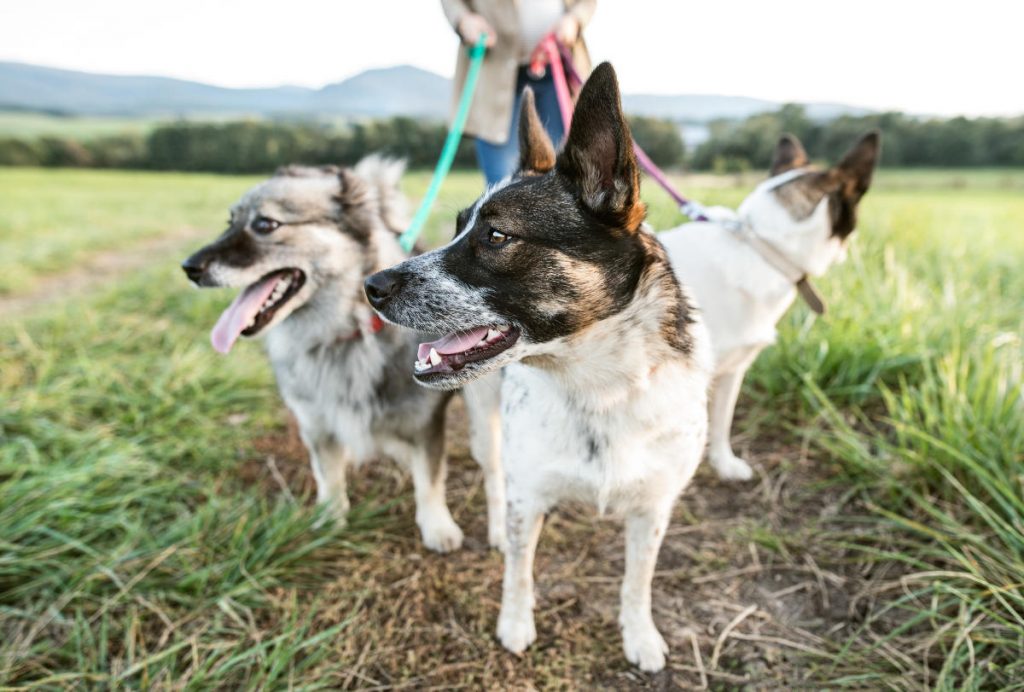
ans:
x=606 y=362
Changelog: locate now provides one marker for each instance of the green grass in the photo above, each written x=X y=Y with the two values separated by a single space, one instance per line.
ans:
x=52 y=220
x=913 y=386
x=134 y=551
x=32 y=125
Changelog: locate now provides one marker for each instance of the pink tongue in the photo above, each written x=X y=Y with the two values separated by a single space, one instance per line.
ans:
x=238 y=315
x=453 y=343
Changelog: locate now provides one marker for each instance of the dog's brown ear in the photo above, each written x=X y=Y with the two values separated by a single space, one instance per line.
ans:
x=857 y=167
x=598 y=155
x=789 y=154
x=536 y=155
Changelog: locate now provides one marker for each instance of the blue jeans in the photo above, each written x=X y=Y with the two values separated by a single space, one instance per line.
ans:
x=498 y=161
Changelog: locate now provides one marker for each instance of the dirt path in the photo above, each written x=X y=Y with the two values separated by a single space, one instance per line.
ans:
x=99 y=269
x=746 y=594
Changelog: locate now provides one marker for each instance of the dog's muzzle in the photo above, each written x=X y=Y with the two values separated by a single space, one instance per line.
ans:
x=195 y=268
x=381 y=287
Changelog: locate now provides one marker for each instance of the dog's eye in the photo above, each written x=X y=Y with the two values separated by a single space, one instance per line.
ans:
x=496 y=237
x=264 y=225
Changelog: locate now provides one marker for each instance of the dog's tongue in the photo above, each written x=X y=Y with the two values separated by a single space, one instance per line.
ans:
x=453 y=343
x=238 y=315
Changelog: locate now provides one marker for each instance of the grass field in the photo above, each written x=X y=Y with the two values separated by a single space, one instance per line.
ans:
x=156 y=518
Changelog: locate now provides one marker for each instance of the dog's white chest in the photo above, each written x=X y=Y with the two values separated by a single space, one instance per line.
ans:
x=617 y=459
x=321 y=394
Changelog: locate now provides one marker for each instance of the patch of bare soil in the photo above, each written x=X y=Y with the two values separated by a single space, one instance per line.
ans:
x=98 y=270
x=744 y=594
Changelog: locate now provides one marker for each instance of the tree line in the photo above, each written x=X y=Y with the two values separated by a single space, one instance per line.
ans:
x=906 y=141
x=259 y=146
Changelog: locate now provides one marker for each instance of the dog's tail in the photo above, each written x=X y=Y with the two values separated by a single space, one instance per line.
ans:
x=384 y=175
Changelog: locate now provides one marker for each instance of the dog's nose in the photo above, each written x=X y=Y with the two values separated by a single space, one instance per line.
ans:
x=381 y=287
x=193 y=269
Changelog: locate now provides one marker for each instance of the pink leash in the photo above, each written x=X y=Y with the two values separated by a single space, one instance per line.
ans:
x=550 y=46
x=561 y=63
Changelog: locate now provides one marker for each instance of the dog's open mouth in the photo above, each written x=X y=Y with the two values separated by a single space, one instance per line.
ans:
x=451 y=353
x=255 y=307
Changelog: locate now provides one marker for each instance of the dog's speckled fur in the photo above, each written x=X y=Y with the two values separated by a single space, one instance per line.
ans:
x=604 y=394
x=349 y=387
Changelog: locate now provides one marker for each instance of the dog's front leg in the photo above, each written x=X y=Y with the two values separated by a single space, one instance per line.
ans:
x=724 y=392
x=438 y=528
x=641 y=640
x=516 y=629
x=483 y=401
x=330 y=465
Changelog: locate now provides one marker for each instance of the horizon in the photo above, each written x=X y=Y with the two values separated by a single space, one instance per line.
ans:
x=142 y=75
x=234 y=47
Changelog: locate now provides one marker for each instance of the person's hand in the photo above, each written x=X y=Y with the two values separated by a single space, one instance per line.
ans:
x=472 y=25
x=567 y=30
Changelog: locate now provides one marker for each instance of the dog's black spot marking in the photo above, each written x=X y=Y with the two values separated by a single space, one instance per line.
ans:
x=594 y=447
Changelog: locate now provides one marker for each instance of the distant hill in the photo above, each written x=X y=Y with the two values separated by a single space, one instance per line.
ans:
x=400 y=90
x=701 y=108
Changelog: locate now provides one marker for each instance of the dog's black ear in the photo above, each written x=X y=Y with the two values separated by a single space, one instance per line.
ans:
x=857 y=167
x=850 y=179
x=789 y=154
x=598 y=155
x=536 y=155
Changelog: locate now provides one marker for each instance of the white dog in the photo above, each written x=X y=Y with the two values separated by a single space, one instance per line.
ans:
x=746 y=267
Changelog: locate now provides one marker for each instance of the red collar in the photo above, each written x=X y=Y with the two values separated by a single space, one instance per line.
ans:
x=376 y=324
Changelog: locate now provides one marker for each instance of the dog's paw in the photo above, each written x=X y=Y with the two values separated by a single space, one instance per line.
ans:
x=334 y=512
x=440 y=533
x=497 y=538
x=731 y=468
x=644 y=646
x=516 y=632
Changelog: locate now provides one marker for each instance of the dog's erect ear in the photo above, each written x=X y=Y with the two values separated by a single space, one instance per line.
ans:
x=354 y=190
x=850 y=179
x=383 y=175
x=536 y=155
x=598 y=155
x=789 y=154
x=855 y=169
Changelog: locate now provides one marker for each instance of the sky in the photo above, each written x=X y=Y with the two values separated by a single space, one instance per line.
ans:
x=937 y=57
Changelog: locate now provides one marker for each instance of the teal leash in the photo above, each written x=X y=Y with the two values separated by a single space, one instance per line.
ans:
x=451 y=145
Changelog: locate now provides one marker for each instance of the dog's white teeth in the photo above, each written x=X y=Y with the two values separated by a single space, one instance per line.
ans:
x=492 y=334
x=420 y=366
x=503 y=328
x=435 y=358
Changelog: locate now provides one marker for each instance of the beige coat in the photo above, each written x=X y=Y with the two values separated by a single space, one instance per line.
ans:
x=491 y=111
